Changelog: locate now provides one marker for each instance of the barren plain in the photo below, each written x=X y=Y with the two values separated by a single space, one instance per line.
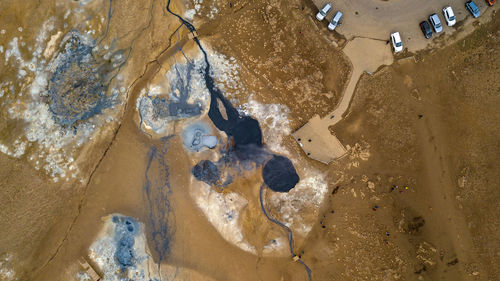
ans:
x=129 y=148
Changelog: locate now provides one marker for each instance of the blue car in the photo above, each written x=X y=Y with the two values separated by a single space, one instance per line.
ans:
x=473 y=9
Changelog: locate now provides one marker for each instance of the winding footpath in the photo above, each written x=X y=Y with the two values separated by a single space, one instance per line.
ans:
x=315 y=138
x=288 y=230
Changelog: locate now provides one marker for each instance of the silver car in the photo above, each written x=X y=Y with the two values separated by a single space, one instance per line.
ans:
x=322 y=13
x=335 y=21
x=436 y=23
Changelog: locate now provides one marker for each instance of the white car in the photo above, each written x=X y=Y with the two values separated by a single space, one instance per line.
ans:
x=449 y=16
x=322 y=13
x=335 y=20
x=396 y=42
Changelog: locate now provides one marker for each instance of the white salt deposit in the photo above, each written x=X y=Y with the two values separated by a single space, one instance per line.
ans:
x=149 y=120
x=224 y=70
x=17 y=150
x=66 y=15
x=277 y=247
x=212 y=9
x=209 y=141
x=189 y=14
x=55 y=146
x=6 y=271
x=197 y=136
x=102 y=253
x=299 y=207
x=83 y=276
x=159 y=124
x=273 y=119
x=222 y=211
x=198 y=91
x=84 y=2
x=51 y=45
x=13 y=51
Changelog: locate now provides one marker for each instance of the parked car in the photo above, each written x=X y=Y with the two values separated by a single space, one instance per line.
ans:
x=472 y=8
x=436 y=23
x=322 y=13
x=426 y=29
x=335 y=20
x=491 y=2
x=397 y=44
x=449 y=16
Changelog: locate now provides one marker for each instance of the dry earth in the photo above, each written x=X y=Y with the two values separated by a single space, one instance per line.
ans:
x=431 y=126
x=415 y=199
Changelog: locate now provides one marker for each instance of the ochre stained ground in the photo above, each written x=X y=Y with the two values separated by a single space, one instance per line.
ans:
x=416 y=198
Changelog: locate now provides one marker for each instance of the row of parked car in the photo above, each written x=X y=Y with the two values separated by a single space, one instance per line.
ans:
x=435 y=23
x=449 y=17
x=335 y=20
x=434 y=20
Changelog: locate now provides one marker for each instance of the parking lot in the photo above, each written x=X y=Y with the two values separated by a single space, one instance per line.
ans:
x=376 y=19
x=367 y=25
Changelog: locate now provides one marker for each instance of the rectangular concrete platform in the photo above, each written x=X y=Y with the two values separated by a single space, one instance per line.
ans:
x=89 y=270
x=317 y=141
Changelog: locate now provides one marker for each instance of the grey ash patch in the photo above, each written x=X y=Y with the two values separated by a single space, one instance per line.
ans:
x=78 y=87
x=157 y=109
x=197 y=136
x=125 y=230
x=180 y=92
x=207 y=172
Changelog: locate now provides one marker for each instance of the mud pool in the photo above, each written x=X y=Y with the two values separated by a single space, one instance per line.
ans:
x=278 y=172
x=157 y=192
x=197 y=136
x=151 y=140
x=197 y=151
x=66 y=94
x=78 y=88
